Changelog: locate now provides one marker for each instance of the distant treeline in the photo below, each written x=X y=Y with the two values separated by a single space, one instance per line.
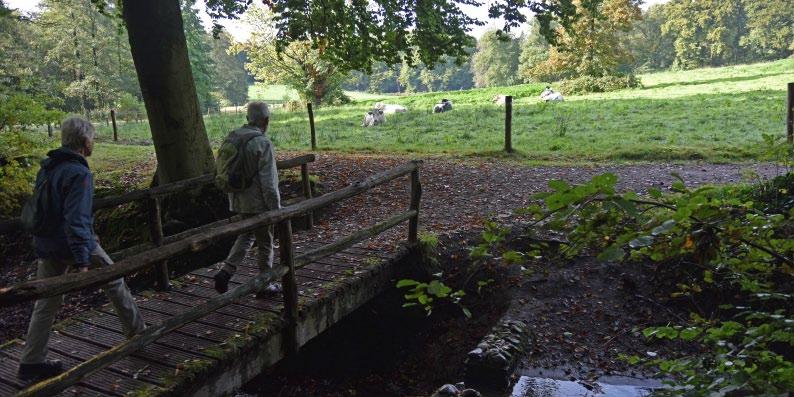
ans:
x=679 y=34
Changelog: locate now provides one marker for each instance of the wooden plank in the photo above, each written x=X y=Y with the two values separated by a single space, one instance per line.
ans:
x=194 y=288
x=104 y=381
x=132 y=366
x=157 y=351
x=7 y=390
x=217 y=333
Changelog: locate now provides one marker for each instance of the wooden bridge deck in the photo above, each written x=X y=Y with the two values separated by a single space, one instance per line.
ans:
x=222 y=350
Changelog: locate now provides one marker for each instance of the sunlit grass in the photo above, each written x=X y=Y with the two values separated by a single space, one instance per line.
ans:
x=714 y=115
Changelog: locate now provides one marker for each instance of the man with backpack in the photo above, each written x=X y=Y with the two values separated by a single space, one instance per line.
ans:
x=246 y=170
x=61 y=219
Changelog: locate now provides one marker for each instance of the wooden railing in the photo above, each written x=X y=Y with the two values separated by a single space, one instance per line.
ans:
x=153 y=197
x=52 y=286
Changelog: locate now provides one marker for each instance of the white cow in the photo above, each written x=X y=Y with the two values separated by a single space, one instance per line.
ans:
x=389 y=108
x=550 y=95
x=499 y=99
x=373 y=117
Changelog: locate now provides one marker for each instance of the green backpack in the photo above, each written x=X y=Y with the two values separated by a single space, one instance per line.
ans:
x=34 y=213
x=230 y=175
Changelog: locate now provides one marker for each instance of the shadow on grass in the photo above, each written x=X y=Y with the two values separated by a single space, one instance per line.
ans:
x=715 y=81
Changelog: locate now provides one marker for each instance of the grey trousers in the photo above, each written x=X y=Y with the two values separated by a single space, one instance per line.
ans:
x=44 y=311
x=244 y=242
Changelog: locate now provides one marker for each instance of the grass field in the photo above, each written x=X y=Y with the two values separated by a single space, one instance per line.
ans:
x=715 y=114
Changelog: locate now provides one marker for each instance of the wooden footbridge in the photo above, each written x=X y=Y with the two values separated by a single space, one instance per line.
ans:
x=197 y=341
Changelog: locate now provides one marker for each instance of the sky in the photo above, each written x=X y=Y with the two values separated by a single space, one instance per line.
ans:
x=241 y=32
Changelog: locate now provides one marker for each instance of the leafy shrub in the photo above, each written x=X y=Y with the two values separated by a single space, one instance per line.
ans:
x=730 y=257
x=129 y=107
x=586 y=84
x=18 y=167
x=21 y=110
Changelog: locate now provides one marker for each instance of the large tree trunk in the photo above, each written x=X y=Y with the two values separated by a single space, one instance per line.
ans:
x=159 y=50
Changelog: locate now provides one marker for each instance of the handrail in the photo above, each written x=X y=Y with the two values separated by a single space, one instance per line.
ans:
x=52 y=286
x=15 y=224
x=150 y=335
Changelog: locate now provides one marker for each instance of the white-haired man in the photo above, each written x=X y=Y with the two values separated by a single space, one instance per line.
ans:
x=261 y=195
x=67 y=240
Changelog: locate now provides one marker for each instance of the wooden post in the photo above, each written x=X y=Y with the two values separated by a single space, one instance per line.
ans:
x=509 y=124
x=311 y=126
x=307 y=192
x=49 y=130
x=416 y=195
x=790 y=115
x=113 y=120
x=156 y=233
x=289 y=286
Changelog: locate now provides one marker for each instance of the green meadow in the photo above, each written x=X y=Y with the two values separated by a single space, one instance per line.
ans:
x=713 y=114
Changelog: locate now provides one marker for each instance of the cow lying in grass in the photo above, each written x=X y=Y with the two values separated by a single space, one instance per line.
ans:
x=388 y=108
x=550 y=95
x=373 y=117
x=499 y=99
x=444 y=106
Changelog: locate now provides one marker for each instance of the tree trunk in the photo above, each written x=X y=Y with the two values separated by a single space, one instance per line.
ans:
x=159 y=51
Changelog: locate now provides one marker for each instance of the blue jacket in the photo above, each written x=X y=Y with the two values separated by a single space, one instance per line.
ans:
x=69 y=213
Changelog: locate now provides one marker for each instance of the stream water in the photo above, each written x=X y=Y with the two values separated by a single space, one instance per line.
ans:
x=550 y=383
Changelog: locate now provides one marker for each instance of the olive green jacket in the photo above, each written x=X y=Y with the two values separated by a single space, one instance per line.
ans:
x=260 y=161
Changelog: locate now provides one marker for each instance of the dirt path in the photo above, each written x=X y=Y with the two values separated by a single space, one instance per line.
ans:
x=458 y=195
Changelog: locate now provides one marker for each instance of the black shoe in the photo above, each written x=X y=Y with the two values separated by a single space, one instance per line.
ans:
x=272 y=289
x=47 y=369
x=222 y=278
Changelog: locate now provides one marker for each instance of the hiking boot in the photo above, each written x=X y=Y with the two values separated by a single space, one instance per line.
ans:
x=222 y=278
x=272 y=289
x=47 y=369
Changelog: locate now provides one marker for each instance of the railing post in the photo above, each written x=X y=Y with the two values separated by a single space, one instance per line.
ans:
x=416 y=195
x=307 y=192
x=113 y=120
x=311 y=126
x=289 y=286
x=156 y=233
x=509 y=124
x=790 y=114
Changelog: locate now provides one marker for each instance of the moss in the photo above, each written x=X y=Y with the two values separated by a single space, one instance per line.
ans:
x=147 y=391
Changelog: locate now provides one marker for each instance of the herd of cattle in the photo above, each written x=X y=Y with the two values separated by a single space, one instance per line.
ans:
x=377 y=115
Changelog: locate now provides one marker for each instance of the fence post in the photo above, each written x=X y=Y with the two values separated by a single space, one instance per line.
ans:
x=113 y=120
x=289 y=286
x=416 y=195
x=311 y=126
x=790 y=114
x=509 y=124
x=307 y=192
x=156 y=233
x=49 y=130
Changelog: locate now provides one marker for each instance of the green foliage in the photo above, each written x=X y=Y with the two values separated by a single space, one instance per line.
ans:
x=20 y=110
x=298 y=65
x=231 y=79
x=19 y=153
x=495 y=63
x=200 y=51
x=426 y=295
x=723 y=247
x=587 y=84
x=728 y=31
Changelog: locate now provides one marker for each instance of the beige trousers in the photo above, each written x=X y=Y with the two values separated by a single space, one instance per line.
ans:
x=45 y=309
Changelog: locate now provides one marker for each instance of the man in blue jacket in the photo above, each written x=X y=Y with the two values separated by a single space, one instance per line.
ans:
x=67 y=240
